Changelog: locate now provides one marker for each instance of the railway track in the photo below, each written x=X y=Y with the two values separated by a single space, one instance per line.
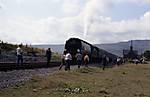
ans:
x=5 y=66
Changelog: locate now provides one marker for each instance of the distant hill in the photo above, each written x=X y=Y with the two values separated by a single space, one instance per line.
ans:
x=55 y=48
x=115 y=48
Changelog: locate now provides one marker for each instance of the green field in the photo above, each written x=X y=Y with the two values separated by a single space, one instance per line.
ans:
x=125 y=81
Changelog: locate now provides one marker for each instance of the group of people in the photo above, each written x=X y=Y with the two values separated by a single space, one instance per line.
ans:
x=67 y=59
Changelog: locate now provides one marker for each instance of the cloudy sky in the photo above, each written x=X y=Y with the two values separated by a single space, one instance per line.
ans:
x=54 y=21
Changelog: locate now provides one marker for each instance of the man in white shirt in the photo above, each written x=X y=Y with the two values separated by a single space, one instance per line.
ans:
x=19 y=55
x=68 y=59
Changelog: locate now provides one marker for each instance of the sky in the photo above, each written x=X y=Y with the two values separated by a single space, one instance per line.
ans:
x=55 y=21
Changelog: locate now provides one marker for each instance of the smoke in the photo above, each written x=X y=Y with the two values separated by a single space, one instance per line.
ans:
x=94 y=8
x=86 y=27
x=3 y=6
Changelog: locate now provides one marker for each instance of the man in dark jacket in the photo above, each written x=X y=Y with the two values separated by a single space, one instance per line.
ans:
x=48 y=55
x=104 y=61
x=0 y=51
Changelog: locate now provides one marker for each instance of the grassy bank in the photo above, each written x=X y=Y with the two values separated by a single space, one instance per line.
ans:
x=124 y=81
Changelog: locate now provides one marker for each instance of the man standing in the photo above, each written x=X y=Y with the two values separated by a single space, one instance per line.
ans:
x=62 y=60
x=79 y=58
x=104 y=61
x=86 y=59
x=19 y=55
x=68 y=59
x=0 y=51
x=48 y=55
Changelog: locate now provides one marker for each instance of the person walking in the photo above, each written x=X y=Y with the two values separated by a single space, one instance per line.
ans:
x=68 y=59
x=0 y=51
x=119 y=61
x=78 y=58
x=19 y=55
x=62 y=60
x=86 y=59
x=48 y=55
x=104 y=60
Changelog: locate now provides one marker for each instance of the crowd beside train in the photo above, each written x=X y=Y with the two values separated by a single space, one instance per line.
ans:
x=81 y=59
x=67 y=59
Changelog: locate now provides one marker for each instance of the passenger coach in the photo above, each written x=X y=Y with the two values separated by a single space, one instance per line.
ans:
x=95 y=54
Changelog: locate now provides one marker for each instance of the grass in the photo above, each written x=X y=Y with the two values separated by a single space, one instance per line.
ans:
x=124 y=81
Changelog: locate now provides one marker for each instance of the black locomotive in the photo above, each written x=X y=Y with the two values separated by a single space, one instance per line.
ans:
x=95 y=54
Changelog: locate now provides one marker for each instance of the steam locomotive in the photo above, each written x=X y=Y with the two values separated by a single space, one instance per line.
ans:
x=95 y=54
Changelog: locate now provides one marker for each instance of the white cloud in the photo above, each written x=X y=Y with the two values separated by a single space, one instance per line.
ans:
x=71 y=7
x=112 y=31
x=81 y=21
x=31 y=31
x=3 y=6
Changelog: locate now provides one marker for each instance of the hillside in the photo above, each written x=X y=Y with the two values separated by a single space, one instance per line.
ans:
x=8 y=51
x=117 y=48
x=55 y=48
x=7 y=47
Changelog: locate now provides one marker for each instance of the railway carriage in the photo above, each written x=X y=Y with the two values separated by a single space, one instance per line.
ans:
x=95 y=54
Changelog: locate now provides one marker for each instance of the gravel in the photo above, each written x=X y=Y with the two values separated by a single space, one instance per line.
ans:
x=15 y=77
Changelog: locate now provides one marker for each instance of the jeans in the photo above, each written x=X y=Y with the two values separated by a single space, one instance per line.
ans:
x=48 y=60
x=67 y=65
x=79 y=62
x=19 y=58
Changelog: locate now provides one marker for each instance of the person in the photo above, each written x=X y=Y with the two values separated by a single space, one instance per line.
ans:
x=33 y=54
x=0 y=51
x=118 y=61
x=48 y=55
x=78 y=58
x=19 y=55
x=142 y=60
x=104 y=61
x=62 y=60
x=68 y=59
x=136 y=61
x=86 y=59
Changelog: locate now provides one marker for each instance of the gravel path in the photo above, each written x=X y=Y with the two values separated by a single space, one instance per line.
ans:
x=16 y=77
